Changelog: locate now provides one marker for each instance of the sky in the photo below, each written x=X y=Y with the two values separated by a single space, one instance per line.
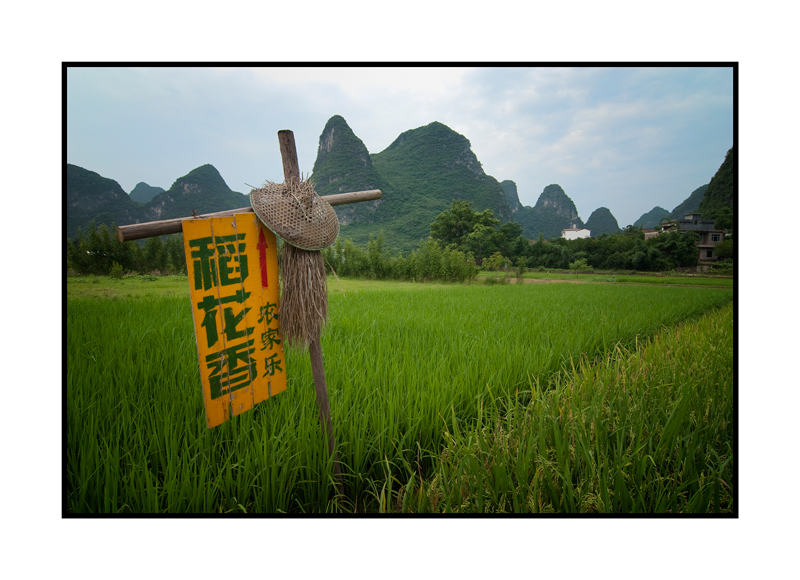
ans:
x=624 y=138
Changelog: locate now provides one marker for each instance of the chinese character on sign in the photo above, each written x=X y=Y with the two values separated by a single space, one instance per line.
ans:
x=235 y=314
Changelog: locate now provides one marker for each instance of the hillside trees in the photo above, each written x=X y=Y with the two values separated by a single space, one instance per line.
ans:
x=96 y=251
x=720 y=192
x=428 y=262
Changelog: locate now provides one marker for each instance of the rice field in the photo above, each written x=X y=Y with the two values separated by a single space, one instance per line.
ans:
x=417 y=375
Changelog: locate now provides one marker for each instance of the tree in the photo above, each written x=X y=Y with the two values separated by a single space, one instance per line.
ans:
x=378 y=260
x=175 y=253
x=453 y=225
x=633 y=232
x=483 y=241
x=725 y=249
x=677 y=249
x=495 y=262
x=155 y=258
x=724 y=219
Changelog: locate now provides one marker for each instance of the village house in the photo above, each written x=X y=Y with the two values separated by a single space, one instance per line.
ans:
x=574 y=233
x=709 y=236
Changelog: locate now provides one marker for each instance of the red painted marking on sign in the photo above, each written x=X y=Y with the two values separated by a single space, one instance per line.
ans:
x=262 y=257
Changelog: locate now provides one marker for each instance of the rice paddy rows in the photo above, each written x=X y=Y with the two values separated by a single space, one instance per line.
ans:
x=401 y=366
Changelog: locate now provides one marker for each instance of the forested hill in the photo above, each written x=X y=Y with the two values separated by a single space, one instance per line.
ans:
x=717 y=201
x=553 y=212
x=202 y=190
x=512 y=196
x=343 y=164
x=93 y=197
x=602 y=221
x=420 y=174
x=690 y=204
x=652 y=218
x=143 y=193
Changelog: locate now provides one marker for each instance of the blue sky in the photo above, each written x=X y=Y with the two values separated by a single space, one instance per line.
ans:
x=626 y=138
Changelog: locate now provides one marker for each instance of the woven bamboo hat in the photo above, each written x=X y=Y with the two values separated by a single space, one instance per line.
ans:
x=296 y=213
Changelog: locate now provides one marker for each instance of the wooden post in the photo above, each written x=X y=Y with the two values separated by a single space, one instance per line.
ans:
x=291 y=172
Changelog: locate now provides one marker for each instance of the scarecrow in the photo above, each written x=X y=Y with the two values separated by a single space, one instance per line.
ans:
x=294 y=211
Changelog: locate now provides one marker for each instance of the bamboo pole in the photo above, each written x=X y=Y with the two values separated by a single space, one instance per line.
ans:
x=291 y=172
x=173 y=226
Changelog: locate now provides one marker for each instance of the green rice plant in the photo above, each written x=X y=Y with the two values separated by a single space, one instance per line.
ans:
x=647 y=430
x=408 y=367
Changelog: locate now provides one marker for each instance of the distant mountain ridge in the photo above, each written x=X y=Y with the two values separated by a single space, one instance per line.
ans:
x=652 y=218
x=420 y=173
x=93 y=197
x=718 y=198
x=512 y=197
x=143 y=193
x=553 y=212
x=690 y=204
x=602 y=221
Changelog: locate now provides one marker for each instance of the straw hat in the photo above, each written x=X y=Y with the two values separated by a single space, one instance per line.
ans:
x=296 y=213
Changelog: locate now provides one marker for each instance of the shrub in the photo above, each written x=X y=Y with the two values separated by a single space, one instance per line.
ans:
x=494 y=262
x=520 y=267
x=580 y=264
x=116 y=270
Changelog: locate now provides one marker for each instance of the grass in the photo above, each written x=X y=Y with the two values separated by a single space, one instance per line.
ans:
x=615 y=278
x=408 y=366
x=130 y=286
x=644 y=431
x=133 y=286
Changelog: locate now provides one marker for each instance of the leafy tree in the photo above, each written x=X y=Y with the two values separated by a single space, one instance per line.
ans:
x=579 y=264
x=175 y=253
x=678 y=249
x=725 y=249
x=452 y=226
x=378 y=260
x=155 y=258
x=724 y=218
x=633 y=232
x=495 y=262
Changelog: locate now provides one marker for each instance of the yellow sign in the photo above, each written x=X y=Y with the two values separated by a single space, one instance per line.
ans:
x=233 y=275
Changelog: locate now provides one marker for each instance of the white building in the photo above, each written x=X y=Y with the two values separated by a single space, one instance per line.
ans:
x=574 y=233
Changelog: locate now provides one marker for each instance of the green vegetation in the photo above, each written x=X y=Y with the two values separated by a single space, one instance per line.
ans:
x=201 y=190
x=128 y=286
x=690 y=204
x=553 y=212
x=461 y=241
x=481 y=235
x=634 y=434
x=602 y=221
x=98 y=251
x=91 y=197
x=612 y=277
x=511 y=195
x=652 y=218
x=343 y=162
x=420 y=174
x=429 y=262
x=644 y=431
x=144 y=193
x=717 y=203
